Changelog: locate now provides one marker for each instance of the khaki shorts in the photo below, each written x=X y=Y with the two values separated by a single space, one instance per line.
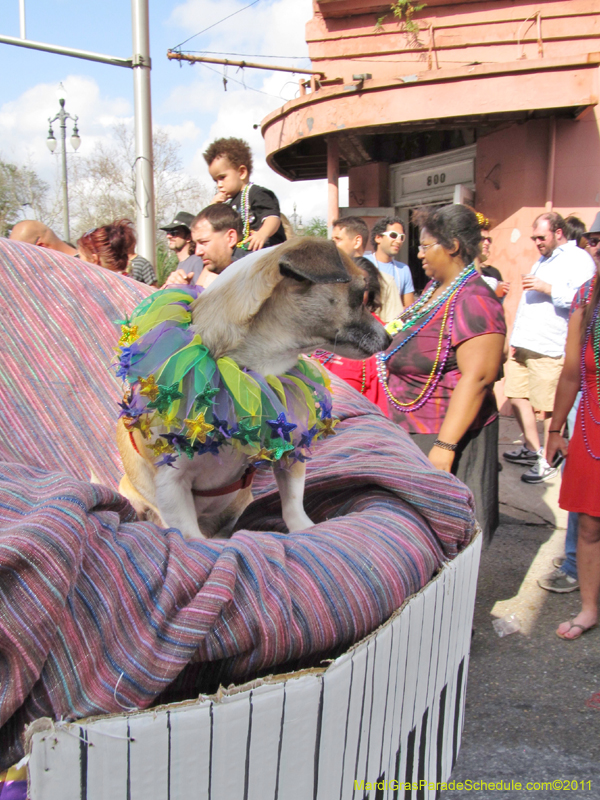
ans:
x=532 y=376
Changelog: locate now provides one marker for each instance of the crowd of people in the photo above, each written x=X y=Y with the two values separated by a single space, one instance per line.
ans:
x=436 y=380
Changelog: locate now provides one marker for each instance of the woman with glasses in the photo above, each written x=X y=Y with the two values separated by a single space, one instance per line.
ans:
x=490 y=274
x=439 y=371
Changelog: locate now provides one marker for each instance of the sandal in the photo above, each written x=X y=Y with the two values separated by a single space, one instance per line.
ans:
x=572 y=625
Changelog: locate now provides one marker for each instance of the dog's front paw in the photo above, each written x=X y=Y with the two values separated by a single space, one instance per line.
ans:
x=298 y=522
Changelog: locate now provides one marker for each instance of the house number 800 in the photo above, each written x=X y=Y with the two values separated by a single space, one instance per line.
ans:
x=439 y=177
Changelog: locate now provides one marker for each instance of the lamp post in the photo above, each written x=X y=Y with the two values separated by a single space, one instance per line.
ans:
x=62 y=117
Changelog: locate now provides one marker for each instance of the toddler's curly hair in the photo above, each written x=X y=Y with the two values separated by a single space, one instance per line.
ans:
x=236 y=151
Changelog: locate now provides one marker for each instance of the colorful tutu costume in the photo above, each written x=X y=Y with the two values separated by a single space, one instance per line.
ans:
x=185 y=402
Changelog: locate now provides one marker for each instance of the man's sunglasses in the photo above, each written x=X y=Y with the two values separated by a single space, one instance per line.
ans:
x=539 y=238
x=592 y=241
x=394 y=235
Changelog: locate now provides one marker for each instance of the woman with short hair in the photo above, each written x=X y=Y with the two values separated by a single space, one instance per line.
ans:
x=113 y=247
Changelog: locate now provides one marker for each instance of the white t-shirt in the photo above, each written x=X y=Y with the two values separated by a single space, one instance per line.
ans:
x=542 y=320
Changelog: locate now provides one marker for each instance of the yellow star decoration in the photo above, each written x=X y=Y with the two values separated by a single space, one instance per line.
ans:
x=326 y=427
x=129 y=333
x=170 y=420
x=161 y=446
x=262 y=455
x=198 y=428
x=149 y=387
x=145 y=424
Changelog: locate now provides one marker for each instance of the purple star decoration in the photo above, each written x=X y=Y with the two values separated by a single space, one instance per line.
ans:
x=166 y=460
x=281 y=427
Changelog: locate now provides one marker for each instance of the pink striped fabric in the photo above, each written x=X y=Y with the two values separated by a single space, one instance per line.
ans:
x=98 y=611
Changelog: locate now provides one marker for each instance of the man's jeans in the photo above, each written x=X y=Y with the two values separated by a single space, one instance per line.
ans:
x=570 y=563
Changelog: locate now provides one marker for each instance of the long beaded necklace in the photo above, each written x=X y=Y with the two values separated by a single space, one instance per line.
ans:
x=414 y=312
x=593 y=334
x=245 y=215
x=449 y=298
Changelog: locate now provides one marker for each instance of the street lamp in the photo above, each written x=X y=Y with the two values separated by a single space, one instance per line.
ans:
x=62 y=117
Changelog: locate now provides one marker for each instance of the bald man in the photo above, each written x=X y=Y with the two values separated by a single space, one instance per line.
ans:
x=34 y=232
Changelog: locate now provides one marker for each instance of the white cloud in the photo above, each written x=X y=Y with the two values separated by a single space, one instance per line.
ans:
x=275 y=28
x=24 y=121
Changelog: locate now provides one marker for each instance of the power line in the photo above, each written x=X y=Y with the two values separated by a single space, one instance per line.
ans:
x=247 y=55
x=252 y=89
x=217 y=23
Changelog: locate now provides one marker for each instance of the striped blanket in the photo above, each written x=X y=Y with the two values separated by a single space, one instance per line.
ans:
x=99 y=612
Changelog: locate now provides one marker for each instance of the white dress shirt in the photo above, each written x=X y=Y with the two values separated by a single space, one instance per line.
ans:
x=542 y=319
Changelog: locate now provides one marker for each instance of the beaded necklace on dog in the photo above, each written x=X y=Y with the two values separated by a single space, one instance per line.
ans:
x=409 y=319
x=245 y=215
x=592 y=336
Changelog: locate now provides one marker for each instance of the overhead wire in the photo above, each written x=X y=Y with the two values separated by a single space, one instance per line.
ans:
x=252 y=89
x=214 y=25
x=247 y=55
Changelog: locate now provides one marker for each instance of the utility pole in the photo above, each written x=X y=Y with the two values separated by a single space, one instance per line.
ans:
x=144 y=162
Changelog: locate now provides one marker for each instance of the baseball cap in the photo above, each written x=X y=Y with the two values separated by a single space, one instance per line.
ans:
x=183 y=219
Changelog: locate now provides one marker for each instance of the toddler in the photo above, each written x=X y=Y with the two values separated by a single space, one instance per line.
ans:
x=230 y=164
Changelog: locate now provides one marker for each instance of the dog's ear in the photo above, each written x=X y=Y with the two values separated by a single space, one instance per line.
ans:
x=222 y=313
x=314 y=260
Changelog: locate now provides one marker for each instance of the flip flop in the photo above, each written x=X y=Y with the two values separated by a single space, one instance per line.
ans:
x=572 y=625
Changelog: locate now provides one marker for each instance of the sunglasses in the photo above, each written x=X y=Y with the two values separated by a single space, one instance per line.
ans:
x=486 y=239
x=394 y=235
x=178 y=233
x=592 y=241
x=539 y=238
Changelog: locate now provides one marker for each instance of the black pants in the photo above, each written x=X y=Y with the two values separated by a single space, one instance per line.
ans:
x=476 y=465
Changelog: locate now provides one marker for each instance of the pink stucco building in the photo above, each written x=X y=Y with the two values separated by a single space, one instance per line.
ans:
x=490 y=102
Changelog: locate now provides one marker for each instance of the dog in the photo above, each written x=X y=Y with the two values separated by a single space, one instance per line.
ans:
x=258 y=317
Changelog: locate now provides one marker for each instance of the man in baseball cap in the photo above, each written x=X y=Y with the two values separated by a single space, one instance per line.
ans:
x=179 y=240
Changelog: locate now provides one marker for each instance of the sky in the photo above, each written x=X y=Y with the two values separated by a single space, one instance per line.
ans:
x=188 y=100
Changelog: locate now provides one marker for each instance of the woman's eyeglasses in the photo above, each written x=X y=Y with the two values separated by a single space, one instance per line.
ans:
x=487 y=239
x=425 y=247
x=394 y=235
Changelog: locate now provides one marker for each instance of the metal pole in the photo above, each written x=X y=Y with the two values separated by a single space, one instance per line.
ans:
x=66 y=51
x=227 y=61
x=144 y=164
x=22 y=19
x=65 y=192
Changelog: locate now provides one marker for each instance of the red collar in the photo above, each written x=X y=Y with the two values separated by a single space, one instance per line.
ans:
x=242 y=483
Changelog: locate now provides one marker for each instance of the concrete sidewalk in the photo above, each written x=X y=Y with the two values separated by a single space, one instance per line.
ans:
x=526 y=716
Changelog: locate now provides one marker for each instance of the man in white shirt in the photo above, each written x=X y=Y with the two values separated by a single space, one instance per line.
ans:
x=539 y=336
x=387 y=237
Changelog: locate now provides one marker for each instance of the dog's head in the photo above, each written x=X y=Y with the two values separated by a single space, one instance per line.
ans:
x=301 y=296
